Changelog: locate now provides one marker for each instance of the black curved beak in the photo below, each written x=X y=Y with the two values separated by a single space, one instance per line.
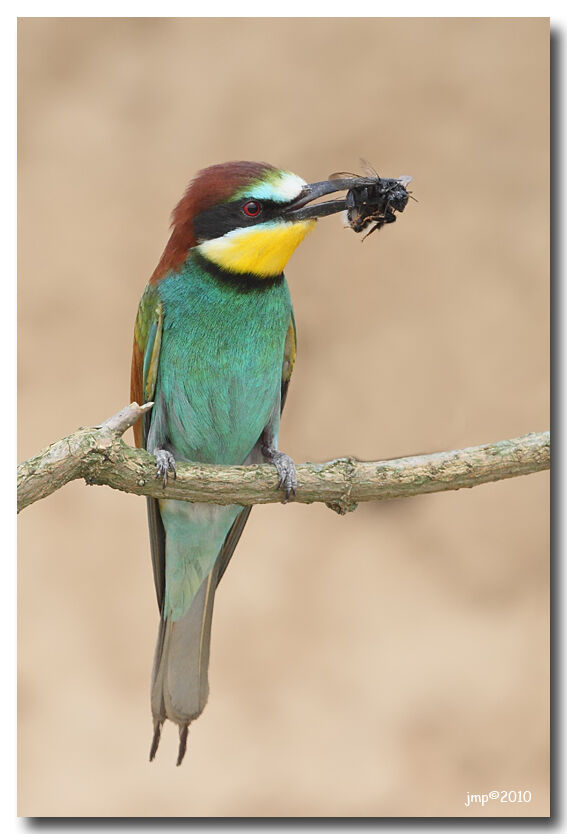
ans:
x=301 y=209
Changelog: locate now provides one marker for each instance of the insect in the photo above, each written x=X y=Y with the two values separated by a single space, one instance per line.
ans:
x=375 y=201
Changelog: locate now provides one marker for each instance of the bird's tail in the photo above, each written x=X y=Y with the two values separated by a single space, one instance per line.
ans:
x=180 y=685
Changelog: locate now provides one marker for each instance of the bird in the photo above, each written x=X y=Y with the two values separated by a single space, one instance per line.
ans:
x=214 y=350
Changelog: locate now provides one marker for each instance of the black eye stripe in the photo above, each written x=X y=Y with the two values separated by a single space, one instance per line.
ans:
x=218 y=220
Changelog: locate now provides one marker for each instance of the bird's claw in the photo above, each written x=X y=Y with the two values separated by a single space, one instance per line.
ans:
x=165 y=465
x=286 y=471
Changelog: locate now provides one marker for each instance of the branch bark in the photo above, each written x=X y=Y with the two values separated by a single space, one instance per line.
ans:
x=100 y=456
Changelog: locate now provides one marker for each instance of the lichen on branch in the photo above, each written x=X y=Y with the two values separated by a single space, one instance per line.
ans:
x=100 y=456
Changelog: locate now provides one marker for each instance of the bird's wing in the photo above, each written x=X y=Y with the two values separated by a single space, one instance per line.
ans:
x=239 y=523
x=145 y=356
x=290 y=351
x=145 y=362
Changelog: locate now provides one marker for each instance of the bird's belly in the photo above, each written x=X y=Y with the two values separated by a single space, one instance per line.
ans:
x=220 y=366
x=228 y=416
x=222 y=400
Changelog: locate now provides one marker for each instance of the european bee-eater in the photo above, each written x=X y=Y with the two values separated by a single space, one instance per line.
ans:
x=214 y=349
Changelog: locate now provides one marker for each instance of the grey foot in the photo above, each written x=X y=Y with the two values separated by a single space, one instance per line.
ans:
x=286 y=470
x=165 y=465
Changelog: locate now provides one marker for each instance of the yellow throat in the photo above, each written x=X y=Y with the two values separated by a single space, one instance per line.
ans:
x=262 y=250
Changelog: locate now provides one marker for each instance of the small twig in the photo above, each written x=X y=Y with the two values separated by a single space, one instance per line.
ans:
x=100 y=456
x=70 y=458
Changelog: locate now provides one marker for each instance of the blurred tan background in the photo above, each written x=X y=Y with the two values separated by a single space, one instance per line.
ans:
x=384 y=663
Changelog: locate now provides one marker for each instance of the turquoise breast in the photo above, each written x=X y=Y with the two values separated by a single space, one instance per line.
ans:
x=220 y=362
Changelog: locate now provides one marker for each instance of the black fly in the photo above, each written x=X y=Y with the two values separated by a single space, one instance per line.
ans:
x=375 y=201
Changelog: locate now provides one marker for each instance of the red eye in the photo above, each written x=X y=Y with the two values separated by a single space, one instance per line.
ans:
x=252 y=208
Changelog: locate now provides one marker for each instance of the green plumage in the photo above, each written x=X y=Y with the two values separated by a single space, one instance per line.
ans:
x=220 y=364
x=218 y=386
x=216 y=360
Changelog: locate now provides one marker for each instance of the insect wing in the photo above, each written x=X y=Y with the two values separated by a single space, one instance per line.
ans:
x=369 y=169
x=343 y=175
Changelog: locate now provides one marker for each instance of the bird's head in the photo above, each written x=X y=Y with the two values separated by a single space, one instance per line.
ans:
x=246 y=218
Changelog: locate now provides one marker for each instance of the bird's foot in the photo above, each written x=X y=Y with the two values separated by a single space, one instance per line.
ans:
x=165 y=465
x=286 y=470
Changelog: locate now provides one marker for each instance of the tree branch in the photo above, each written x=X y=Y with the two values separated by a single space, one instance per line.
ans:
x=100 y=456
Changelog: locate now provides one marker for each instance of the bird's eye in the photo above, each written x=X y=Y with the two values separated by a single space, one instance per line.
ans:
x=252 y=208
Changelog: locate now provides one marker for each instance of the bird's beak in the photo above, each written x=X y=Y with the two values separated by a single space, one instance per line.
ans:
x=300 y=208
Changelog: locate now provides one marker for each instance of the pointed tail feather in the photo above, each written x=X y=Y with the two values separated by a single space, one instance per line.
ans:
x=180 y=685
x=182 y=743
x=155 y=739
